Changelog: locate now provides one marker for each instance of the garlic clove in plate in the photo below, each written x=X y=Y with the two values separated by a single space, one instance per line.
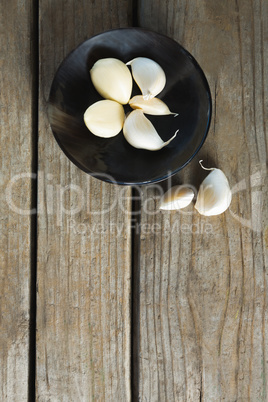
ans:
x=214 y=195
x=140 y=132
x=112 y=79
x=177 y=197
x=152 y=106
x=105 y=118
x=149 y=76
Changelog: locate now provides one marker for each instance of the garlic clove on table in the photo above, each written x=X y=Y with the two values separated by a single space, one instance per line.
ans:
x=140 y=132
x=149 y=76
x=105 y=118
x=153 y=106
x=214 y=195
x=112 y=79
x=177 y=197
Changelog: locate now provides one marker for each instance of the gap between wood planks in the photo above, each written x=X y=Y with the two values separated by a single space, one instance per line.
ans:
x=34 y=187
x=135 y=270
x=135 y=293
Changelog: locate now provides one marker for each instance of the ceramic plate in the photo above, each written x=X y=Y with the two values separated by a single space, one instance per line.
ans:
x=113 y=159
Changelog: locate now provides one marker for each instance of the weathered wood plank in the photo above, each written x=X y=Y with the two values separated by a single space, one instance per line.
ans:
x=16 y=97
x=83 y=301
x=203 y=300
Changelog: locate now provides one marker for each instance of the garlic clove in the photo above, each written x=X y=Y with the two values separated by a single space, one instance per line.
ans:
x=153 y=106
x=105 y=118
x=140 y=132
x=177 y=197
x=112 y=79
x=149 y=76
x=214 y=195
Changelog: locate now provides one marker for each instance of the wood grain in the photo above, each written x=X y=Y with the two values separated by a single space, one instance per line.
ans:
x=83 y=299
x=16 y=117
x=203 y=291
x=203 y=297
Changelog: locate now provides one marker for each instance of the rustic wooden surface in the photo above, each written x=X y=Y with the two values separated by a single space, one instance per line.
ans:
x=83 y=270
x=203 y=293
x=16 y=123
x=175 y=310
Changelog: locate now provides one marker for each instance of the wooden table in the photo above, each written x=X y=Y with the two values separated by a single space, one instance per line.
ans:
x=173 y=308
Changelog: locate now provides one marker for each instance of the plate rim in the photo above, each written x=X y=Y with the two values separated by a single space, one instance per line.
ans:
x=169 y=174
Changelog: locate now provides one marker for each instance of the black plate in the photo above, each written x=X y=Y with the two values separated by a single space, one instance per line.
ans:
x=113 y=159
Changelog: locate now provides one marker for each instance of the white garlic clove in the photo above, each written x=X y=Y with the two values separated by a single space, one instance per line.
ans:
x=105 y=118
x=177 y=197
x=214 y=195
x=152 y=106
x=140 y=132
x=149 y=76
x=112 y=79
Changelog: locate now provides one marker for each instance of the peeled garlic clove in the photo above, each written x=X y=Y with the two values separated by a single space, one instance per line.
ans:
x=140 y=132
x=214 y=195
x=153 y=106
x=112 y=79
x=149 y=76
x=177 y=197
x=105 y=118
